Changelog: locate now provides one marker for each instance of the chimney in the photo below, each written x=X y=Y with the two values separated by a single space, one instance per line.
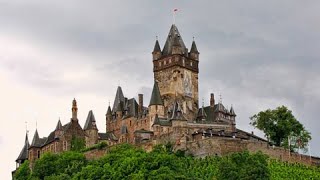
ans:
x=212 y=100
x=140 y=108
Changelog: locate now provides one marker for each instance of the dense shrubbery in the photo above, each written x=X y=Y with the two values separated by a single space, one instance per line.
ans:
x=127 y=162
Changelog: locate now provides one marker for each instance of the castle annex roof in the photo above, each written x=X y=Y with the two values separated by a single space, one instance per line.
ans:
x=109 y=111
x=155 y=96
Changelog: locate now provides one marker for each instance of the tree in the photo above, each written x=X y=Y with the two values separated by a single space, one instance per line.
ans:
x=77 y=144
x=280 y=126
x=23 y=172
x=244 y=166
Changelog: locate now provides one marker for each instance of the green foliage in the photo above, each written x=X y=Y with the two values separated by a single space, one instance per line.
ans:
x=45 y=166
x=77 y=144
x=127 y=162
x=99 y=146
x=244 y=166
x=23 y=172
x=279 y=125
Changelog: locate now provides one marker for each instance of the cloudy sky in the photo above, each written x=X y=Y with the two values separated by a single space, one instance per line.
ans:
x=257 y=55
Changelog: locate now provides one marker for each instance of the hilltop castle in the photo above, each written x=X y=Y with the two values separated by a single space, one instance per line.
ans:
x=173 y=114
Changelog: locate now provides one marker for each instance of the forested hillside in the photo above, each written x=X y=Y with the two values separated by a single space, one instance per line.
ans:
x=127 y=162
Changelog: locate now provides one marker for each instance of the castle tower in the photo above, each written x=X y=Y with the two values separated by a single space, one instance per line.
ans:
x=91 y=130
x=34 y=149
x=108 y=119
x=74 y=111
x=176 y=72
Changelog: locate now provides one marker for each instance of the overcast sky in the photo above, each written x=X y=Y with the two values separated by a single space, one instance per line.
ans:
x=256 y=54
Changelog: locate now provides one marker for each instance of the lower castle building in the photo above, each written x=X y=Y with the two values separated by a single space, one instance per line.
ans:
x=173 y=114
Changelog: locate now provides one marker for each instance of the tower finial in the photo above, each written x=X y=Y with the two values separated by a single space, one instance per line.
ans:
x=174 y=15
x=157 y=38
x=202 y=102
x=26 y=126
x=220 y=100
x=193 y=38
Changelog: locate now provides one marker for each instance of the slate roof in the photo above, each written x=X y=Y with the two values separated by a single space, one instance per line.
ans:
x=119 y=98
x=59 y=125
x=155 y=96
x=131 y=108
x=143 y=131
x=174 y=37
x=157 y=47
x=36 y=140
x=194 y=48
x=107 y=136
x=90 y=122
x=161 y=121
x=109 y=111
x=24 y=151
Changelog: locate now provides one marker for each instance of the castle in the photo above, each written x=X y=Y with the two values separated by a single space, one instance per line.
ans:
x=173 y=114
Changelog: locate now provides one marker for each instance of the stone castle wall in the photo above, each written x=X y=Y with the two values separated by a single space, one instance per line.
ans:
x=223 y=146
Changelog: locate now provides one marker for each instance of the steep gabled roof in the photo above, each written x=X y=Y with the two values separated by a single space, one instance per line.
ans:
x=174 y=38
x=119 y=98
x=24 y=151
x=90 y=122
x=155 y=96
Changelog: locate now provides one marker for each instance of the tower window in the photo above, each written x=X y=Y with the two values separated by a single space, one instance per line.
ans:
x=191 y=63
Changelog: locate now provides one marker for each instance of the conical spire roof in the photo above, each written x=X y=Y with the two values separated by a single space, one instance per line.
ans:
x=109 y=111
x=157 y=47
x=232 y=111
x=90 y=122
x=155 y=96
x=194 y=48
x=119 y=98
x=59 y=125
x=24 y=151
x=174 y=39
x=36 y=140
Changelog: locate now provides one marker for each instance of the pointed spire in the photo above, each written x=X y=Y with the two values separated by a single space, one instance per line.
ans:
x=36 y=140
x=24 y=151
x=90 y=122
x=174 y=38
x=119 y=98
x=155 y=96
x=232 y=111
x=59 y=125
x=109 y=110
x=194 y=48
x=157 y=47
